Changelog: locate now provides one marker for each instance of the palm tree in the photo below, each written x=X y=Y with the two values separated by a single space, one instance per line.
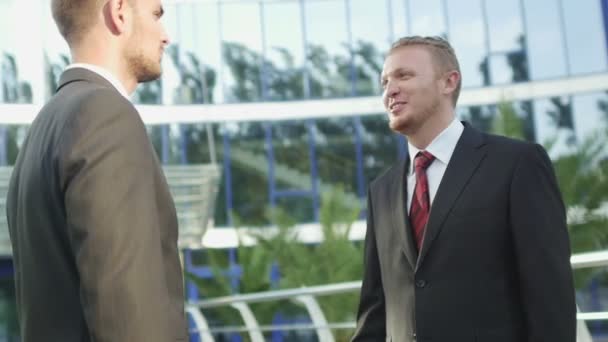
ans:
x=53 y=72
x=602 y=105
x=298 y=264
x=582 y=176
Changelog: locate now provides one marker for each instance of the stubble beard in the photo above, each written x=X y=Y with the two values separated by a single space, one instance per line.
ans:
x=412 y=122
x=143 y=69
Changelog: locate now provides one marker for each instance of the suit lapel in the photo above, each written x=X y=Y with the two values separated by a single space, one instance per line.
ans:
x=398 y=191
x=466 y=158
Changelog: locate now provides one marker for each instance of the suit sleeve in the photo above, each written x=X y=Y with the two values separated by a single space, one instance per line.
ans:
x=542 y=249
x=371 y=316
x=106 y=173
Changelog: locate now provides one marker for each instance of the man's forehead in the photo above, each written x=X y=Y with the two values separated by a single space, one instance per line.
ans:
x=386 y=66
x=407 y=58
x=389 y=69
x=392 y=61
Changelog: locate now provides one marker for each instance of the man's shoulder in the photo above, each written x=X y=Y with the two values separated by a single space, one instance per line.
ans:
x=506 y=145
x=85 y=95
x=82 y=110
x=82 y=102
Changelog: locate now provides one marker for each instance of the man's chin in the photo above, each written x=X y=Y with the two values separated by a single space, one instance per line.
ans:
x=399 y=126
x=149 y=76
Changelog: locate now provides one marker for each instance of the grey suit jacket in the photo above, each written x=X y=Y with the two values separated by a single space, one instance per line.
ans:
x=92 y=223
x=495 y=261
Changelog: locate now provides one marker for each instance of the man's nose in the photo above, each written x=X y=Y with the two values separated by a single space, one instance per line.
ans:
x=392 y=89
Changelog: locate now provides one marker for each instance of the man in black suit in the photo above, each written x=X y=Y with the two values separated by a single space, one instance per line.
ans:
x=92 y=223
x=467 y=238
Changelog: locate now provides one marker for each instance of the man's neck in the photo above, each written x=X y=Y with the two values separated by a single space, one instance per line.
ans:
x=113 y=64
x=429 y=130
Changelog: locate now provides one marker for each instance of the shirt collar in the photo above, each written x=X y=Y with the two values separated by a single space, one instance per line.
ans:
x=442 y=147
x=103 y=73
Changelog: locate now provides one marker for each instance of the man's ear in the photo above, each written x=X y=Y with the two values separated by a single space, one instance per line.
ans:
x=116 y=15
x=451 y=80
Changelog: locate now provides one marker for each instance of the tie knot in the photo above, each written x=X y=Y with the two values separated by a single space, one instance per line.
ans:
x=423 y=160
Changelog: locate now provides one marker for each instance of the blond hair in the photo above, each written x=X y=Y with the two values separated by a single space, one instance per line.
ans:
x=74 y=18
x=442 y=52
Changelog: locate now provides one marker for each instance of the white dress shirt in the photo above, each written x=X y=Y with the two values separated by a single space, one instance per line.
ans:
x=442 y=147
x=103 y=73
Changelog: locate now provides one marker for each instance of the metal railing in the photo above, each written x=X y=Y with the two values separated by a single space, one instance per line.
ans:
x=307 y=296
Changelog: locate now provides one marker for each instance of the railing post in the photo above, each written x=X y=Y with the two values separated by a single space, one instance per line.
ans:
x=250 y=322
x=582 y=332
x=200 y=323
x=317 y=317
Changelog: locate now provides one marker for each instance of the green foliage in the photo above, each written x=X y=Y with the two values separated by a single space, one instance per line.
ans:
x=602 y=105
x=583 y=180
x=8 y=310
x=244 y=65
x=335 y=259
x=582 y=176
x=54 y=70
x=12 y=89
x=507 y=122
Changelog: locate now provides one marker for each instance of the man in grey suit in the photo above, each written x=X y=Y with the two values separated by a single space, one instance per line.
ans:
x=92 y=223
x=466 y=239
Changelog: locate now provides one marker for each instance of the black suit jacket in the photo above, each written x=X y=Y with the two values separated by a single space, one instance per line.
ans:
x=495 y=261
x=92 y=223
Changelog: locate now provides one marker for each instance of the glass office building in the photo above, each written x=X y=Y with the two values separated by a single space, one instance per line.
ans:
x=253 y=58
x=285 y=94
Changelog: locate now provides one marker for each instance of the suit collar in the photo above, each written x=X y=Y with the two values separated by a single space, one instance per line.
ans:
x=105 y=73
x=467 y=156
x=78 y=74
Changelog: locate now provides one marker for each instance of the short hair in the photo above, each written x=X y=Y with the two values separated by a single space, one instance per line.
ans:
x=74 y=18
x=440 y=49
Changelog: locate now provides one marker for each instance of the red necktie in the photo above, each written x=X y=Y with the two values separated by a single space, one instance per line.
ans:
x=419 y=211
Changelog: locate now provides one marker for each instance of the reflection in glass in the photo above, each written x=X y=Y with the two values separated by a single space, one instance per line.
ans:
x=467 y=36
x=555 y=126
x=398 y=14
x=545 y=42
x=507 y=43
x=188 y=78
x=283 y=67
x=249 y=169
x=9 y=325
x=242 y=51
x=299 y=208
x=336 y=153
x=290 y=143
x=328 y=54
x=587 y=51
x=368 y=45
x=513 y=119
x=479 y=117
x=292 y=173
x=14 y=88
x=590 y=113
x=21 y=54
x=208 y=49
x=505 y=24
x=427 y=18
